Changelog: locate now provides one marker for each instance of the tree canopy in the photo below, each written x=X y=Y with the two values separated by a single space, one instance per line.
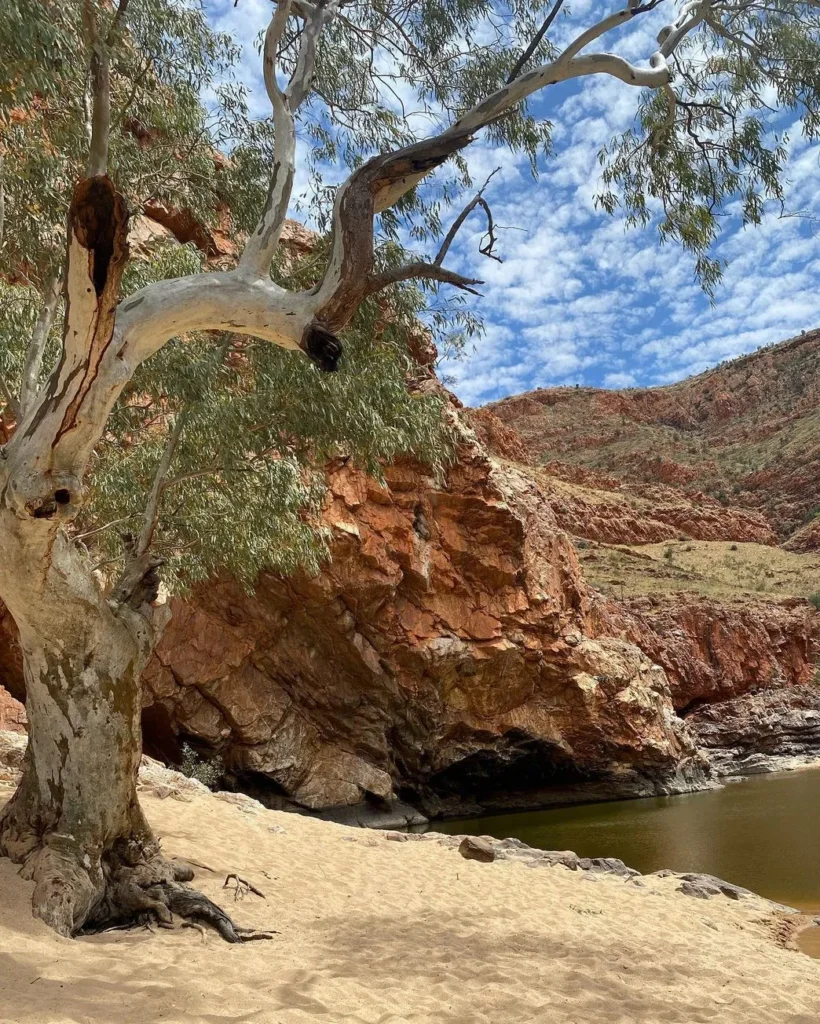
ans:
x=362 y=78
x=253 y=426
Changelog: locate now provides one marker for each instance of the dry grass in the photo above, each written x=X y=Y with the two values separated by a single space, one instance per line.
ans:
x=712 y=568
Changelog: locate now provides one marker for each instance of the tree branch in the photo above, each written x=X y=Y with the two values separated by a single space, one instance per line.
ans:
x=477 y=200
x=105 y=342
x=262 y=244
x=671 y=36
x=419 y=271
x=302 y=78
x=100 y=529
x=139 y=582
x=116 y=23
x=194 y=474
x=596 y=31
x=39 y=339
x=522 y=61
x=384 y=179
x=150 y=516
x=49 y=451
x=138 y=585
x=100 y=93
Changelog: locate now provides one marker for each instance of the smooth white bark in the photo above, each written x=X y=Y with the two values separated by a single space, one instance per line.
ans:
x=39 y=340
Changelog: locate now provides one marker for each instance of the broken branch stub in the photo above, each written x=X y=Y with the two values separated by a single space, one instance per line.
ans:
x=48 y=454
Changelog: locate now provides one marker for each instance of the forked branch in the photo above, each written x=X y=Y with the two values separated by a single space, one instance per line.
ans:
x=420 y=270
x=485 y=248
x=105 y=343
x=262 y=244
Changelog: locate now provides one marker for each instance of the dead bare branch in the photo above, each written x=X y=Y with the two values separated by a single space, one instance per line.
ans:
x=477 y=200
x=420 y=271
x=521 y=63
x=241 y=887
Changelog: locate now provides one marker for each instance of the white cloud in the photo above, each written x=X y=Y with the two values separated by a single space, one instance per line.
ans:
x=626 y=309
x=577 y=298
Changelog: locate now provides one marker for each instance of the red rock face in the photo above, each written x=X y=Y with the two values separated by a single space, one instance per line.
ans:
x=12 y=713
x=713 y=652
x=449 y=649
x=499 y=437
x=214 y=241
x=616 y=522
x=443 y=643
x=806 y=539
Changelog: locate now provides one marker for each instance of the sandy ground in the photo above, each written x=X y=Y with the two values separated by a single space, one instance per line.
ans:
x=381 y=932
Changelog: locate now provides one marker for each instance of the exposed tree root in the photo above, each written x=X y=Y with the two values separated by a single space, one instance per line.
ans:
x=131 y=885
x=143 y=887
x=159 y=902
x=241 y=887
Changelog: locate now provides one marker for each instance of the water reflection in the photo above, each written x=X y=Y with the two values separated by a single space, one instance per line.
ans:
x=762 y=833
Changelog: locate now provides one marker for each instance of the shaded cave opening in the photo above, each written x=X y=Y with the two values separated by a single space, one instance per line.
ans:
x=160 y=738
x=517 y=771
x=260 y=787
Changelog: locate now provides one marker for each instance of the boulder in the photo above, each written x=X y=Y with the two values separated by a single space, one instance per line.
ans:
x=476 y=848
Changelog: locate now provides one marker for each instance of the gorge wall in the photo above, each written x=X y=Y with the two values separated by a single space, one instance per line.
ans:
x=454 y=654
x=744 y=437
x=451 y=654
x=446 y=654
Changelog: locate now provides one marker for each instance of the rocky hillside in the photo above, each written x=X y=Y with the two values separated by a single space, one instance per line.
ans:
x=739 y=443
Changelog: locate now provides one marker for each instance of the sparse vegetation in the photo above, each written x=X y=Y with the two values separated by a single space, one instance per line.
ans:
x=711 y=568
x=208 y=771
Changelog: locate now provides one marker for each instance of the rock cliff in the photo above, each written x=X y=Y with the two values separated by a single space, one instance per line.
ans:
x=713 y=651
x=443 y=655
x=452 y=655
x=777 y=729
x=455 y=654
x=12 y=713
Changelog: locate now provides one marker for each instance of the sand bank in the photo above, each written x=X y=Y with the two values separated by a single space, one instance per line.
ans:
x=378 y=931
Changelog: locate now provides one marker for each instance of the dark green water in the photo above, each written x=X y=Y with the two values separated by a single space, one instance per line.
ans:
x=762 y=833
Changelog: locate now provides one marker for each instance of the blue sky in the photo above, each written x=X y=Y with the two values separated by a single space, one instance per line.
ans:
x=580 y=300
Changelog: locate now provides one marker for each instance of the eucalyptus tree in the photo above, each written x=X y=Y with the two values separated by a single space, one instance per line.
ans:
x=705 y=143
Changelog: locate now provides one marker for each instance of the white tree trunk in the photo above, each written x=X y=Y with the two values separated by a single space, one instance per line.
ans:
x=76 y=802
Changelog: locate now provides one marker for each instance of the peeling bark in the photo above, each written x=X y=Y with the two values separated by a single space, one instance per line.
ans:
x=47 y=456
x=74 y=823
